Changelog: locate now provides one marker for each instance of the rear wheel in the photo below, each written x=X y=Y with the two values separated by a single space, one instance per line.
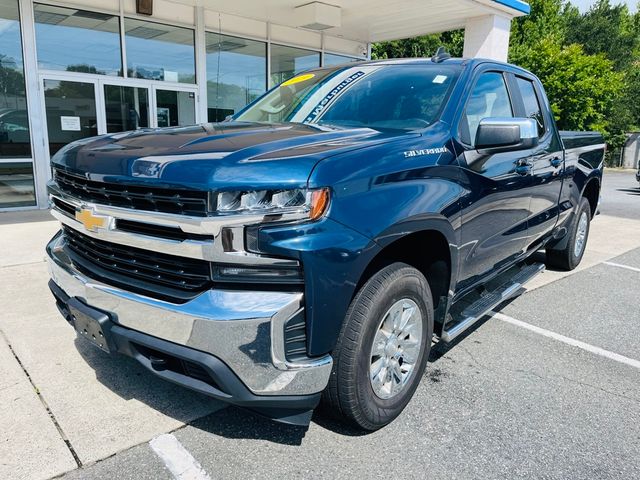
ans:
x=383 y=348
x=570 y=256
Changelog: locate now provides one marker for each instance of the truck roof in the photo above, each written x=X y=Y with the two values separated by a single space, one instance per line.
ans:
x=428 y=60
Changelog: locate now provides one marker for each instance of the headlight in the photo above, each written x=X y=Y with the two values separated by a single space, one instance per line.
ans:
x=312 y=203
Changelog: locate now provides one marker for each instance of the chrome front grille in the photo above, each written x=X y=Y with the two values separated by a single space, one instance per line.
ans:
x=162 y=255
x=137 y=197
x=155 y=274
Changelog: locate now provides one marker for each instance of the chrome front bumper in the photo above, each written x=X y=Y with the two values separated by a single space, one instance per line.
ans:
x=244 y=329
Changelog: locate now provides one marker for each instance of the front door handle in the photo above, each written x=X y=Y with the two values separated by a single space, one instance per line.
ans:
x=555 y=162
x=523 y=167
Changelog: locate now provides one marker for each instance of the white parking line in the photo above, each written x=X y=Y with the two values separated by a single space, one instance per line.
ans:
x=177 y=459
x=569 y=341
x=619 y=265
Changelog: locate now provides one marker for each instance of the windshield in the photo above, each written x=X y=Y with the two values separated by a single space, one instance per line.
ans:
x=376 y=96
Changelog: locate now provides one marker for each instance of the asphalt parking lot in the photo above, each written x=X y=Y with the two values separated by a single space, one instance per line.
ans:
x=549 y=387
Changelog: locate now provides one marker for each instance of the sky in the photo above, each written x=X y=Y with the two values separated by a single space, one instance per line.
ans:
x=584 y=5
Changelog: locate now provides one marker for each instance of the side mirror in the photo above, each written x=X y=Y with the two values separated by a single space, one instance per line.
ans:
x=506 y=134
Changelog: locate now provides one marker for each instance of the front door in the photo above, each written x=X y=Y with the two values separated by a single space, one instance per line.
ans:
x=496 y=206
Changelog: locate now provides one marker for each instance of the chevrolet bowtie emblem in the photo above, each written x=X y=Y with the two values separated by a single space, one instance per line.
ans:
x=90 y=220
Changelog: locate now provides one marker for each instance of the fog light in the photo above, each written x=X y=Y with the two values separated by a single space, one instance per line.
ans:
x=235 y=273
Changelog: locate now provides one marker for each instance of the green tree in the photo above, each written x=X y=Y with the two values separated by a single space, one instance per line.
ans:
x=608 y=29
x=632 y=97
x=578 y=59
x=545 y=21
x=612 y=30
x=582 y=89
x=423 y=46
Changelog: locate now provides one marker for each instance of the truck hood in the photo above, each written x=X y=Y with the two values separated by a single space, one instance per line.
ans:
x=214 y=156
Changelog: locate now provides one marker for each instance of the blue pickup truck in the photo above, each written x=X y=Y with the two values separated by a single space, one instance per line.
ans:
x=313 y=246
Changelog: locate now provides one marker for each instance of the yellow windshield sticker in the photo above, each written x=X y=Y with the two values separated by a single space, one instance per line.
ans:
x=298 y=79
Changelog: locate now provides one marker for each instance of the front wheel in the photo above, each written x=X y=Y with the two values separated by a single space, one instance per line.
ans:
x=570 y=256
x=383 y=348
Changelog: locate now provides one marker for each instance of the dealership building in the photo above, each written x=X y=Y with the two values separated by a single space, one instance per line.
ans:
x=75 y=69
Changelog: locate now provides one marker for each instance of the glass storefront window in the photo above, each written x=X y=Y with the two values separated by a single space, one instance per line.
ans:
x=16 y=185
x=331 y=59
x=77 y=40
x=156 y=51
x=71 y=112
x=127 y=108
x=14 y=121
x=288 y=61
x=236 y=74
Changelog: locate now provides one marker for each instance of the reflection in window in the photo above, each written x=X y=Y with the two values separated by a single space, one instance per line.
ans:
x=175 y=109
x=288 y=61
x=71 y=112
x=159 y=52
x=236 y=74
x=350 y=96
x=14 y=122
x=77 y=40
x=489 y=98
x=531 y=104
x=16 y=185
x=127 y=108
x=331 y=59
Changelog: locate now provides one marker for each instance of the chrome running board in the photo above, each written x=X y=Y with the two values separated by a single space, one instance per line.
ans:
x=467 y=314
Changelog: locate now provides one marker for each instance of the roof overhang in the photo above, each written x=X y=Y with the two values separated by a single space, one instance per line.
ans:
x=375 y=20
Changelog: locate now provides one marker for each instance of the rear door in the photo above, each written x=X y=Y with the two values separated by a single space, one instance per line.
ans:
x=495 y=208
x=547 y=160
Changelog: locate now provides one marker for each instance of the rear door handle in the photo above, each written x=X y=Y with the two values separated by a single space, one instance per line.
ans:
x=556 y=162
x=523 y=167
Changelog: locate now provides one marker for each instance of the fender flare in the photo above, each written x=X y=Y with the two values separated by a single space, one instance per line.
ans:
x=421 y=224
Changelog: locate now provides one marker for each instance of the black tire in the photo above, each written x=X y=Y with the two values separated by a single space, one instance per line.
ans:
x=566 y=258
x=350 y=394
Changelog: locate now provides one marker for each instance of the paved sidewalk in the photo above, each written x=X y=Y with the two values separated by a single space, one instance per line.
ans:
x=102 y=405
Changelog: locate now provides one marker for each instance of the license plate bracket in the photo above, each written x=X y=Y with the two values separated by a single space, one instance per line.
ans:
x=91 y=324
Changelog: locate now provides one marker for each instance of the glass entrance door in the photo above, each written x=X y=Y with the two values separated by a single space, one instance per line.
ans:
x=175 y=108
x=70 y=108
x=126 y=108
x=84 y=106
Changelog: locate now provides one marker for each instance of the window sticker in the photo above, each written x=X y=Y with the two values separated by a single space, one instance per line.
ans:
x=439 y=79
x=320 y=107
x=298 y=79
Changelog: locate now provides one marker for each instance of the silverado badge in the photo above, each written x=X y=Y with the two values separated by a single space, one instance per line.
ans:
x=90 y=220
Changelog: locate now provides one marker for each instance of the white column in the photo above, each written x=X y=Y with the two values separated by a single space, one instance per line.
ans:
x=487 y=37
x=201 y=66
x=35 y=104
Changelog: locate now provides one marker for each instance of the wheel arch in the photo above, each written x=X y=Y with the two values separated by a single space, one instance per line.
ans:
x=430 y=250
x=591 y=192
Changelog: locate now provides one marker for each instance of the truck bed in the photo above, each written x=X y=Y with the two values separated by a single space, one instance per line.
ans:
x=573 y=139
x=584 y=147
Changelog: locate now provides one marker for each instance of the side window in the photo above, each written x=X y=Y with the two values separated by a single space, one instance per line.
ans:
x=531 y=103
x=489 y=98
